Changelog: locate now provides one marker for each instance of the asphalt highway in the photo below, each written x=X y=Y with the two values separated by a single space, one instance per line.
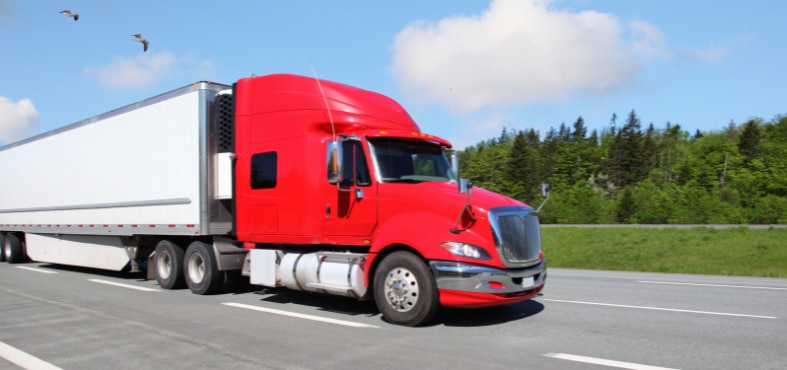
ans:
x=56 y=317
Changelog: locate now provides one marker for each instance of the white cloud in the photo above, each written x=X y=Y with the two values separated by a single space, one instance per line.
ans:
x=480 y=127
x=129 y=72
x=519 y=52
x=206 y=70
x=16 y=119
x=647 y=41
x=711 y=54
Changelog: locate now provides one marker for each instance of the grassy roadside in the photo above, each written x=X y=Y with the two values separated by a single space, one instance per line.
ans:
x=735 y=251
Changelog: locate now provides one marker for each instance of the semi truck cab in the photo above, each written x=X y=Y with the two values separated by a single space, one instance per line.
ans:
x=349 y=173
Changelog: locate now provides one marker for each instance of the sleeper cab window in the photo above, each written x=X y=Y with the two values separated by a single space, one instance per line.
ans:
x=263 y=170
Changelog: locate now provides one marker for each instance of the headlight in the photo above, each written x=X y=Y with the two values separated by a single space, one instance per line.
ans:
x=466 y=250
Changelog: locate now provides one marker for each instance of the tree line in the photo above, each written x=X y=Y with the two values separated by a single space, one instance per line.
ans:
x=736 y=175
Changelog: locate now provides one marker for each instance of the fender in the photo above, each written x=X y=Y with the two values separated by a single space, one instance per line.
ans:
x=423 y=232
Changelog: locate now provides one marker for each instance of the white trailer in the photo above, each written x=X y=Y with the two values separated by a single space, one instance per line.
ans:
x=88 y=193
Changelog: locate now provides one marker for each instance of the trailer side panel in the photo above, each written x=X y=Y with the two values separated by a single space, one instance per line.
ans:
x=141 y=169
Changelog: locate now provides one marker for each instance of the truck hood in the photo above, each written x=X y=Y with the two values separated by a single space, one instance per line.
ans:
x=444 y=197
x=423 y=215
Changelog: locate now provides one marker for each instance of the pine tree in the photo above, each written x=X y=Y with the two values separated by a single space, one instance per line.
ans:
x=648 y=154
x=548 y=153
x=626 y=206
x=522 y=169
x=578 y=152
x=749 y=143
x=625 y=158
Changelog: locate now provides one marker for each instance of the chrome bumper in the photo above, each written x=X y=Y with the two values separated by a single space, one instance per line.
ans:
x=476 y=279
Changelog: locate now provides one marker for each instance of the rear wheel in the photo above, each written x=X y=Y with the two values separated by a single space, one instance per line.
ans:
x=405 y=290
x=2 y=247
x=169 y=265
x=202 y=273
x=14 y=249
x=231 y=280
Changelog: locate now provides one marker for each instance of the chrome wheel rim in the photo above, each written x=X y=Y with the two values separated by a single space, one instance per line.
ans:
x=401 y=289
x=164 y=265
x=196 y=268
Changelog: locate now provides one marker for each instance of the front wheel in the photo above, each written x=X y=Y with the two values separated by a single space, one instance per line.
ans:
x=405 y=290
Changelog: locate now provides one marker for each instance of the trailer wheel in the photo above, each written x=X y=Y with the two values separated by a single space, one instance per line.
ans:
x=405 y=290
x=169 y=265
x=202 y=273
x=14 y=249
x=2 y=247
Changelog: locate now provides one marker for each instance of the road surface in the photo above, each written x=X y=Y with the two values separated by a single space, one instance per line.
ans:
x=56 y=317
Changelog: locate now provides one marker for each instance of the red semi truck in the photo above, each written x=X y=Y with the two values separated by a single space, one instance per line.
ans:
x=289 y=180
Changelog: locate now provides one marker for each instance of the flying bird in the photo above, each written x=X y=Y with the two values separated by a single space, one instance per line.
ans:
x=68 y=13
x=141 y=39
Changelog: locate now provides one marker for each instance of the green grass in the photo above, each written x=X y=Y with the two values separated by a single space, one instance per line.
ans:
x=701 y=250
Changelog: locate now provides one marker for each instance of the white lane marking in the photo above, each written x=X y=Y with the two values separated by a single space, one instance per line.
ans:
x=301 y=316
x=661 y=309
x=24 y=359
x=124 y=285
x=36 y=270
x=711 y=285
x=604 y=362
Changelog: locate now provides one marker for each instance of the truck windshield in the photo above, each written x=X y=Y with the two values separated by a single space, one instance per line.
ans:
x=403 y=160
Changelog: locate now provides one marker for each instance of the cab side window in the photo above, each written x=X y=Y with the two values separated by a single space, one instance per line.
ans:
x=263 y=170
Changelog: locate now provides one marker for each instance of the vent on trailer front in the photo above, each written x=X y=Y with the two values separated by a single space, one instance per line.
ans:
x=222 y=145
x=225 y=107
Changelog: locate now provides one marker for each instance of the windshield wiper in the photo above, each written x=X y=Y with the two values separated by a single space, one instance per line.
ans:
x=410 y=181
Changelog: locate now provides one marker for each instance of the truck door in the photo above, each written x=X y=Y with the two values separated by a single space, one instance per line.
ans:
x=351 y=207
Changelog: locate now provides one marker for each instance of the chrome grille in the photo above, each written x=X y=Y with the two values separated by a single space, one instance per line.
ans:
x=517 y=235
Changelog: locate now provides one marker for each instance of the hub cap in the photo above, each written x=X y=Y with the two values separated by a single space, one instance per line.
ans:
x=196 y=268
x=401 y=289
x=164 y=264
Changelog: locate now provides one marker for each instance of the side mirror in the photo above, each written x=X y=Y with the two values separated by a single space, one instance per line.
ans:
x=334 y=161
x=464 y=186
x=455 y=164
x=544 y=192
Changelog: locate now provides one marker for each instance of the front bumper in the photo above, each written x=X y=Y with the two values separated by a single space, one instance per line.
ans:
x=466 y=285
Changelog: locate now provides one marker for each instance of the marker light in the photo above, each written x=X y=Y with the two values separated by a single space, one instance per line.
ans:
x=466 y=250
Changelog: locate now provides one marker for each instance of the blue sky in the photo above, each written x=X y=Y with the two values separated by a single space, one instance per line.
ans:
x=463 y=69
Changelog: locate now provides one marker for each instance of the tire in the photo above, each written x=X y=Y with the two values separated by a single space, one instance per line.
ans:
x=230 y=281
x=14 y=249
x=2 y=247
x=169 y=265
x=405 y=290
x=201 y=271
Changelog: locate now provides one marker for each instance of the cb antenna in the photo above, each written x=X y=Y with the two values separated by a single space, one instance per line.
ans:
x=325 y=99
x=453 y=113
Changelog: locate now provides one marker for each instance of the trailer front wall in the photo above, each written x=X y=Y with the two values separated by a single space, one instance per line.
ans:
x=116 y=173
